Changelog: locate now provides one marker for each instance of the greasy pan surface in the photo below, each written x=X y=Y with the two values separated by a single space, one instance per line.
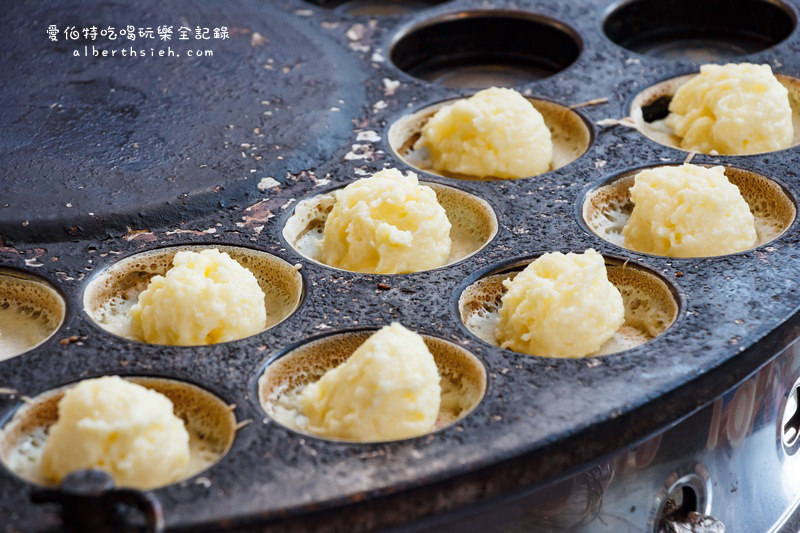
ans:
x=172 y=151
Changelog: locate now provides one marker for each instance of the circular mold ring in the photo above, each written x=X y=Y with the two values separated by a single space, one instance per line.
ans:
x=109 y=296
x=481 y=48
x=650 y=108
x=570 y=133
x=607 y=208
x=463 y=376
x=473 y=221
x=31 y=311
x=707 y=31
x=651 y=303
x=209 y=421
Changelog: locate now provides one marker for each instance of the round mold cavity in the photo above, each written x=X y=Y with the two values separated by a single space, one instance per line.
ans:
x=707 y=31
x=473 y=221
x=463 y=376
x=651 y=303
x=209 y=421
x=607 y=208
x=479 y=49
x=649 y=109
x=571 y=136
x=375 y=8
x=110 y=295
x=31 y=310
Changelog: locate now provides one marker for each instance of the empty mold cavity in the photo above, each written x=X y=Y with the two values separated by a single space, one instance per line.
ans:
x=209 y=421
x=569 y=131
x=650 y=108
x=473 y=222
x=30 y=312
x=607 y=208
x=463 y=377
x=711 y=30
x=108 y=298
x=372 y=8
x=479 y=49
x=650 y=304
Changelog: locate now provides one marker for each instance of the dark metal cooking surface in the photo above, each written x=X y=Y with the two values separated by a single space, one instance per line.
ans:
x=329 y=88
x=94 y=144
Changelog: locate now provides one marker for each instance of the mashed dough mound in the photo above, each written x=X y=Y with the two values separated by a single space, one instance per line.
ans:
x=560 y=306
x=125 y=429
x=496 y=132
x=688 y=211
x=388 y=389
x=386 y=224
x=205 y=298
x=732 y=109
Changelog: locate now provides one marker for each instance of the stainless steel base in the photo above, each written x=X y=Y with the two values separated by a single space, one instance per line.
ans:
x=737 y=459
